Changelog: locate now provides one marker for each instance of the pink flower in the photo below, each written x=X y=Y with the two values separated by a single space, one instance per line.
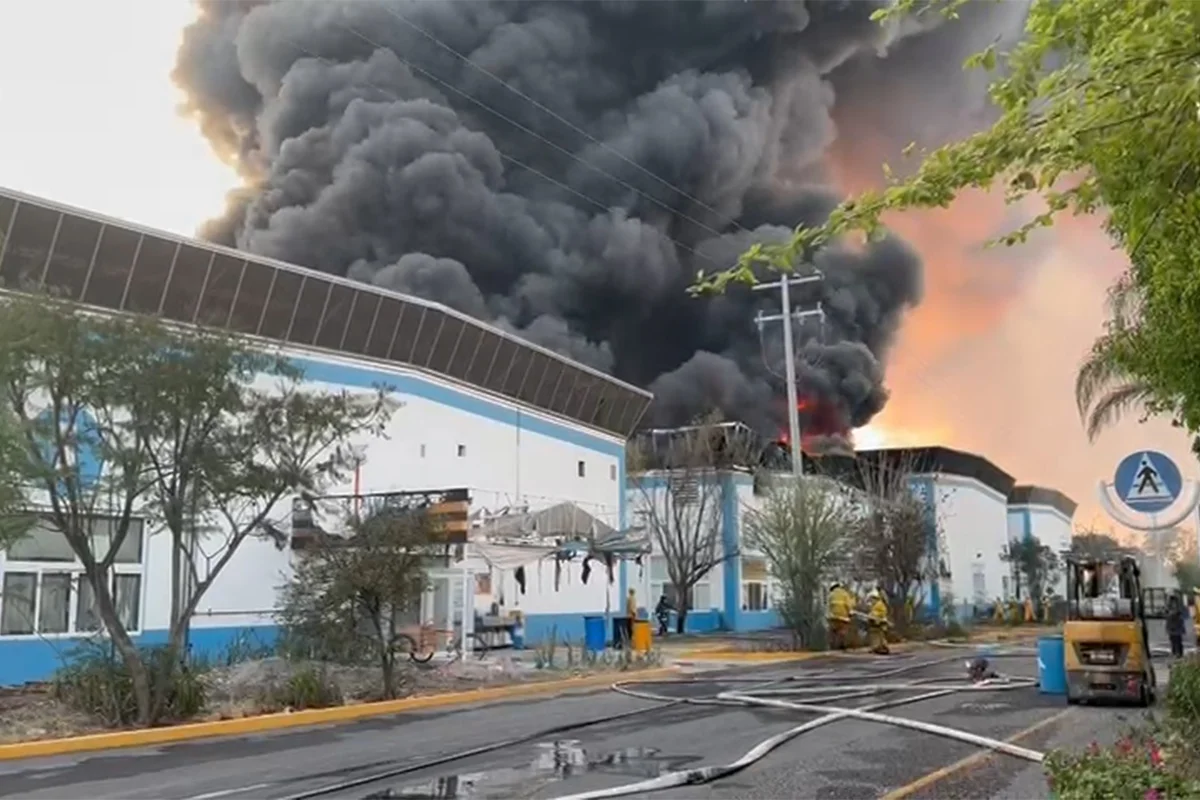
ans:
x=1151 y=794
x=1155 y=755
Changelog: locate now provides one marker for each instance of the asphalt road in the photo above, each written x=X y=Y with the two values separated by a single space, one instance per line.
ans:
x=846 y=759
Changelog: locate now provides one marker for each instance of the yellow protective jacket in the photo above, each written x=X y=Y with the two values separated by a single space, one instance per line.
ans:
x=840 y=605
x=879 y=612
x=1196 y=615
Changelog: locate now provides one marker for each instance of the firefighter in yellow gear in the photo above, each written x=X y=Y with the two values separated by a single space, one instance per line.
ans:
x=1028 y=609
x=841 y=606
x=877 y=620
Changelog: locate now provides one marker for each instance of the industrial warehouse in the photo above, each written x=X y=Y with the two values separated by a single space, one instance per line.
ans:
x=521 y=449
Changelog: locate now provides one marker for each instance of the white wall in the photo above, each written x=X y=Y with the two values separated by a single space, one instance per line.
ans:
x=651 y=496
x=1048 y=525
x=975 y=530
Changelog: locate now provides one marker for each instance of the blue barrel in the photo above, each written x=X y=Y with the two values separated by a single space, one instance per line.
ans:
x=593 y=634
x=1052 y=665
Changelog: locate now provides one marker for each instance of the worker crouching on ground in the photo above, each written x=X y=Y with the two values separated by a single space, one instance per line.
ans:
x=841 y=606
x=877 y=621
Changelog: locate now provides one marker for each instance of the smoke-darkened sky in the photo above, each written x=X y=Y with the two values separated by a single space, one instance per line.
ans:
x=644 y=141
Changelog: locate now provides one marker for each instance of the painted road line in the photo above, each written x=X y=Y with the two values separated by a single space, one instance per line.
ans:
x=228 y=792
x=266 y=723
x=925 y=781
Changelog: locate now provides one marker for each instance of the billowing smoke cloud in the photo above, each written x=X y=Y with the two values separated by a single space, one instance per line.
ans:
x=648 y=140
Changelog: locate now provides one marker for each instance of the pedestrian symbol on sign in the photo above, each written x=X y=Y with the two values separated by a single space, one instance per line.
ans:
x=1148 y=482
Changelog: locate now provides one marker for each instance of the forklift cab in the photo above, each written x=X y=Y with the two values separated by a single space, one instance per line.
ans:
x=1105 y=639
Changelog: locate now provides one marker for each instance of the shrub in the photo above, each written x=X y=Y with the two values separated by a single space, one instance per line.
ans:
x=96 y=681
x=1134 y=768
x=1183 y=693
x=307 y=687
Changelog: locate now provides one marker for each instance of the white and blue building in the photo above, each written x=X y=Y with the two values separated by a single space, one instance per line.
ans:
x=512 y=424
x=481 y=415
x=976 y=509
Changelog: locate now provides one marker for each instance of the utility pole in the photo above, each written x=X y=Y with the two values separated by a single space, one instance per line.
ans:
x=786 y=316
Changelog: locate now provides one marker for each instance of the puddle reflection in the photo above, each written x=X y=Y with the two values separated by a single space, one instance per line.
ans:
x=552 y=761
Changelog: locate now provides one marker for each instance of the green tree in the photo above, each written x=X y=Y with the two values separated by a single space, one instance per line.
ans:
x=1097 y=114
x=130 y=419
x=1089 y=543
x=351 y=598
x=1036 y=563
x=802 y=527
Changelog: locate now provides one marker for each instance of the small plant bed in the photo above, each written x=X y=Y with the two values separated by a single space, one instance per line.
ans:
x=91 y=694
x=1159 y=760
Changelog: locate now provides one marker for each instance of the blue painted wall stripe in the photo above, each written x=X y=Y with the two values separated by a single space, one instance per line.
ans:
x=730 y=539
x=365 y=377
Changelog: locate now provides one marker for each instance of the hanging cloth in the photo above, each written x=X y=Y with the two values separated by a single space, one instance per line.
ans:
x=587 y=569
x=519 y=576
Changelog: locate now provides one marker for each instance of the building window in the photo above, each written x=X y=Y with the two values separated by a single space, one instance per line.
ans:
x=755 y=578
x=660 y=583
x=612 y=472
x=754 y=596
x=581 y=469
x=462 y=450
x=422 y=451
x=45 y=591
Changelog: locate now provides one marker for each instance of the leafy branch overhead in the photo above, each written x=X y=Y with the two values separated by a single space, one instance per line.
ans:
x=1099 y=113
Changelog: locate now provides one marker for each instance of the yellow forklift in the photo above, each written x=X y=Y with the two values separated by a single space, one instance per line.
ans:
x=1105 y=641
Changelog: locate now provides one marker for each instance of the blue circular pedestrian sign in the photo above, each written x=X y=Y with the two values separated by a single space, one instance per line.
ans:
x=1148 y=481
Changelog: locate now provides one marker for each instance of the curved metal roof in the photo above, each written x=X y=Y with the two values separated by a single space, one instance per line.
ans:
x=120 y=266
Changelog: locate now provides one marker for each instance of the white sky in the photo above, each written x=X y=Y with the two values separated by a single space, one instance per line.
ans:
x=89 y=111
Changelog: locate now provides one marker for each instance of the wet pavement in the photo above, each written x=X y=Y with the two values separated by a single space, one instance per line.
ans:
x=562 y=754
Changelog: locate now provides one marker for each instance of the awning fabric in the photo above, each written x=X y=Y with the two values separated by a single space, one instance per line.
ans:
x=506 y=556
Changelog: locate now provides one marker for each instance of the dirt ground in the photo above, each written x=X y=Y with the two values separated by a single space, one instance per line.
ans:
x=31 y=712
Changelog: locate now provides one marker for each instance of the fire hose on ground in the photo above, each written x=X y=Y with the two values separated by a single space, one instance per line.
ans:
x=821 y=688
x=825 y=689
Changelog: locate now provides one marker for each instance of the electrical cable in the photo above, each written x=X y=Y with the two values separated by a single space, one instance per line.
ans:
x=503 y=156
x=725 y=218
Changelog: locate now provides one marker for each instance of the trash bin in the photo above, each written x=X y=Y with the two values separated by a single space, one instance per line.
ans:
x=643 y=635
x=593 y=634
x=622 y=632
x=1051 y=664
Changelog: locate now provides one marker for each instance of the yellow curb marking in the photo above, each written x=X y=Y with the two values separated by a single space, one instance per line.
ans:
x=925 y=781
x=741 y=655
x=317 y=716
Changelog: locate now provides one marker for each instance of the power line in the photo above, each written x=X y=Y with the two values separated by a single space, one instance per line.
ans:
x=504 y=156
x=529 y=131
x=784 y=284
x=553 y=114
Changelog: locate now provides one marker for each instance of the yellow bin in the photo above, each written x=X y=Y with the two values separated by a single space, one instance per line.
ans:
x=642 y=635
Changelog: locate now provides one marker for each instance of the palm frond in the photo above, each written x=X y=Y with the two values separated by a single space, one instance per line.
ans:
x=1099 y=371
x=1110 y=406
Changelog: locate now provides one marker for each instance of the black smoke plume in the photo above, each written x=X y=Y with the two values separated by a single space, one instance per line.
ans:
x=370 y=148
